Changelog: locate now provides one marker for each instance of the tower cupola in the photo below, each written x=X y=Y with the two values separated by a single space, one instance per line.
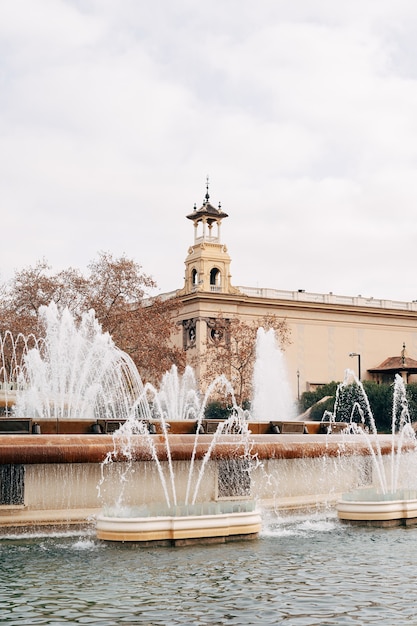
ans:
x=205 y=218
x=207 y=266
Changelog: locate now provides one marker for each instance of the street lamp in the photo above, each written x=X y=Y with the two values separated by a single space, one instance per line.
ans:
x=359 y=362
x=298 y=384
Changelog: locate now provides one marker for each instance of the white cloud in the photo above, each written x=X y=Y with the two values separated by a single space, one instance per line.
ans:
x=302 y=113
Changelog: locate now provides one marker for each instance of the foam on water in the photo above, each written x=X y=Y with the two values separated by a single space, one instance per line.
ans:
x=305 y=525
x=84 y=543
x=29 y=535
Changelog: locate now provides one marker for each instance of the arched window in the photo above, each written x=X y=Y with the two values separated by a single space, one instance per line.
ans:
x=215 y=279
x=194 y=277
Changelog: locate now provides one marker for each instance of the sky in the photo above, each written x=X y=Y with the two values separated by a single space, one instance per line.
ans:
x=303 y=113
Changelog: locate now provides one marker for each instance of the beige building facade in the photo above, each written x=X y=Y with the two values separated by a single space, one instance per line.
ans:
x=329 y=333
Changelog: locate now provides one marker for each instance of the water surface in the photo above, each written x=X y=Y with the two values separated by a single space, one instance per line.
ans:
x=301 y=571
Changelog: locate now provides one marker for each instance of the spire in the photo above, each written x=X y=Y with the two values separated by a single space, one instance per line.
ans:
x=207 y=211
x=207 y=196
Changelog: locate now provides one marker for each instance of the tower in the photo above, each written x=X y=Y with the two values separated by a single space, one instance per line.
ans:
x=207 y=266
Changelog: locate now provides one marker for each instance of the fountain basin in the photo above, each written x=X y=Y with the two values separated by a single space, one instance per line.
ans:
x=55 y=477
x=70 y=448
x=370 y=507
x=241 y=523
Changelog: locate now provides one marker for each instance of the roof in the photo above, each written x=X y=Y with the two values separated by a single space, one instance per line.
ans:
x=208 y=211
x=396 y=364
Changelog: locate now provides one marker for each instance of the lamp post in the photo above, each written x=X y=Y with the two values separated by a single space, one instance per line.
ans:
x=351 y=354
x=298 y=384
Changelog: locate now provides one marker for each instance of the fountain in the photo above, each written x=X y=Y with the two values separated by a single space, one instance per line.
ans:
x=76 y=373
x=388 y=503
x=183 y=517
x=178 y=397
x=272 y=396
x=102 y=446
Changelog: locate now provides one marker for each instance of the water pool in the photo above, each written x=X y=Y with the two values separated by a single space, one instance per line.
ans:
x=301 y=571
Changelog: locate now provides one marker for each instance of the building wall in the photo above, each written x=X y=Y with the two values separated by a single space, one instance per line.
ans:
x=323 y=332
x=325 y=328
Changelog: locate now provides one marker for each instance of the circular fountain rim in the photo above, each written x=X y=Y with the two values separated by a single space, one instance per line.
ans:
x=180 y=529
x=379 y=512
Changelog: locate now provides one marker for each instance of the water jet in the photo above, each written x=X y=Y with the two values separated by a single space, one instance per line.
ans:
x=388 y=503
x=105 y=442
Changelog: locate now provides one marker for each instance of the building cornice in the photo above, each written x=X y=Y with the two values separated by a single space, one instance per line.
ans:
x=302 y=301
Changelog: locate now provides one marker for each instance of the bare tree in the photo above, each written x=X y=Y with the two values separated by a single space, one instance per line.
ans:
x=233 y=350
x=117 y=290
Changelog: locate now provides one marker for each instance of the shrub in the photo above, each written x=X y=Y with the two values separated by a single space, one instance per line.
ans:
x=216 y=410
x=309 y=398
x=317 y=410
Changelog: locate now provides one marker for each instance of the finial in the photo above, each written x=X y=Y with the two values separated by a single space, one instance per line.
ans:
x=195 y=206
x=220 y=206
x=207 y=196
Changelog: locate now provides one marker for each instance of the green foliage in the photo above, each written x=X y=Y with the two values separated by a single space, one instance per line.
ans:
x=246 y=405
x=380 y=399
x=352 y=404
x=309 y=398
x=317 y=410
x=412 y=400
x=217 y=411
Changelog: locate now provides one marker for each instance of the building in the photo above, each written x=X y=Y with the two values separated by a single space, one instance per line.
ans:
x=329 y=333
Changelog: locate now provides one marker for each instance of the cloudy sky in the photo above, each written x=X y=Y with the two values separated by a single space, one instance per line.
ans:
x=302 y=112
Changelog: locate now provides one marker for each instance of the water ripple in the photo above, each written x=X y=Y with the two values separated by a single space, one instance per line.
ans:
x=301 y=572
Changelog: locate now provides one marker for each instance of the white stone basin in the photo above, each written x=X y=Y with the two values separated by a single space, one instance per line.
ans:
x=370 y=506
x=179 y=528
